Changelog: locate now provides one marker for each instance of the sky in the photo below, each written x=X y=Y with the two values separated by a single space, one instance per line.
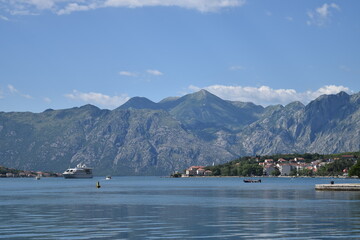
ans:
x=67 y=53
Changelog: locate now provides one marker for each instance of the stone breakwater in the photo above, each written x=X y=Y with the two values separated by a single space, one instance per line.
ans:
x=338 y=187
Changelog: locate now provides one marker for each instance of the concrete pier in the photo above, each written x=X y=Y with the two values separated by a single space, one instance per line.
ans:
x=338 y=187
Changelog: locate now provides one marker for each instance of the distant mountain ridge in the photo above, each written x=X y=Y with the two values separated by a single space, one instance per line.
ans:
x=142 y=137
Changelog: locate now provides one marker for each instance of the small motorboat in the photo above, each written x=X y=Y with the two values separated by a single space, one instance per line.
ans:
x=252 y=181
x=108 y=178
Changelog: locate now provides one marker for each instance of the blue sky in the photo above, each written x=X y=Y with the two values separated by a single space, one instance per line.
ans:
x=65 y=53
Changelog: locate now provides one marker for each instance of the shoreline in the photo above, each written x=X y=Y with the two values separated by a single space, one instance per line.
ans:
x=337 y=177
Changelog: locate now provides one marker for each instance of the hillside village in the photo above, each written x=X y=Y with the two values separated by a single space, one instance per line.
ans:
x=297 y=166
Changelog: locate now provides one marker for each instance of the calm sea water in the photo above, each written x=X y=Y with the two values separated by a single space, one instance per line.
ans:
x=167 y=208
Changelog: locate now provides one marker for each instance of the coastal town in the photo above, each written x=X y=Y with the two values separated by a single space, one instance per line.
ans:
x=15 y=173
x=280 y=167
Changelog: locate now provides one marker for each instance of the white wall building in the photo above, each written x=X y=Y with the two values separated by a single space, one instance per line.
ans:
x=285 y=169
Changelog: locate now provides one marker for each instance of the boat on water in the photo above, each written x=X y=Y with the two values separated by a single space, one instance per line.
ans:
x=80 y=171
x=108 y=178
x=252 y=181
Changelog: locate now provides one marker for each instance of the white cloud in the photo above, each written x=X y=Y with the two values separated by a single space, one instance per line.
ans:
x=26 y=96
x=265 y=95
x=46 y=99
x=75 y=7
x=4 y=18
x=329 y=89
x=199 y=5
x=42 y=4
x=68 y=6
x=128 y=74
x=98 y=98
x=321 y=15
x=28 y=7
x=154 y=72
x=13 y=90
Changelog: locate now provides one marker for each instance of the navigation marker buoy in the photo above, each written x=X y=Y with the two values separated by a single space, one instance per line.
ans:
x=98 y=185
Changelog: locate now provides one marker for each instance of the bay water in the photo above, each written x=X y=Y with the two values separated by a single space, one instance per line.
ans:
x=176 y=208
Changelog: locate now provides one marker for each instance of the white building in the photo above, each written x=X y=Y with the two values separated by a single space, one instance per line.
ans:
x=285 y=169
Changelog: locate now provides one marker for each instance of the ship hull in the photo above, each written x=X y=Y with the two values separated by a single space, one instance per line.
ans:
x=76 y=176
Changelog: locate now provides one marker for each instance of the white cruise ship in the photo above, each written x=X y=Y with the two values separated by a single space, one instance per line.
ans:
x=80 y=171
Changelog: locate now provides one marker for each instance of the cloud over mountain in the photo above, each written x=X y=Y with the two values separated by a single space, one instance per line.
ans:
x=98 y=98
x=265 y=95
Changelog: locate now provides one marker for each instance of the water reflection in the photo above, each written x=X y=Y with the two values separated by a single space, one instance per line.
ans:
x=153 y=208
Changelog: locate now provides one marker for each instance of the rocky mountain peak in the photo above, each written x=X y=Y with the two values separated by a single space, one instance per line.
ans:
x=202 y=95
x=329 y=106
x=139 y=103
x=295 y=106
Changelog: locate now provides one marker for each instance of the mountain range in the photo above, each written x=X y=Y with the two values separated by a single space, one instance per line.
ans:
x=142 y=137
